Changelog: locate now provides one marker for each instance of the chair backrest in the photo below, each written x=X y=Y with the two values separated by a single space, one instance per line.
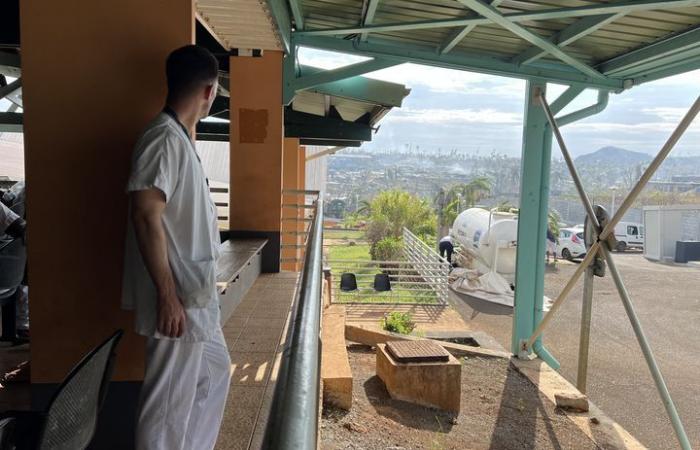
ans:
x=71 y=418
x=13 y=258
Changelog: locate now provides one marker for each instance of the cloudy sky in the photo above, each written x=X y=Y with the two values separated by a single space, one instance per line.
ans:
x=471 y=112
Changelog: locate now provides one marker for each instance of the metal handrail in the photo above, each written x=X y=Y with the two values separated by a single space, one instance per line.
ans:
x=293 y=421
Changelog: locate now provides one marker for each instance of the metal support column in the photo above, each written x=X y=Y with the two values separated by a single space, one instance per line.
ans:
x=582 y=374
x=532 y=220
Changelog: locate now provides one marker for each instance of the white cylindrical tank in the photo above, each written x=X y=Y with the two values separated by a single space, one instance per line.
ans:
x=488 y=234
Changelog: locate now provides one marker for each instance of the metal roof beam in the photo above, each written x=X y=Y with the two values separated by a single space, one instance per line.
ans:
x=369 y=16
x=565 y=98
x=667 y=71
x=365 y=90
x=669 y=47
x=297 y=13
x=328 y=76
x=492 y=13
x=572 y=33
x=458 y=35
x=280 y=14
x=10 y=88
x=553 y=72
x=629 y=6
x=329 y=142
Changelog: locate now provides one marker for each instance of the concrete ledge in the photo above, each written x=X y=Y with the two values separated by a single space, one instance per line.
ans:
x=374 y=337
x=432 y=384
x=336 y=375
x=604 y=431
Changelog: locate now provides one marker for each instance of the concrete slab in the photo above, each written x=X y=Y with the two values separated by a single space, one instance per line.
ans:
x=254 y=342
x=594 y=423
x=336 y=376
x=373 y=337
x=433 y=384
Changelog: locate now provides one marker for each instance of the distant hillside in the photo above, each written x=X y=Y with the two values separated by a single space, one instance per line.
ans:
x=613 y=155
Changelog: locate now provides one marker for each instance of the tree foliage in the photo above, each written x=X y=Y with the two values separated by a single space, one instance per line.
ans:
x=391 y=211
x=452 y=202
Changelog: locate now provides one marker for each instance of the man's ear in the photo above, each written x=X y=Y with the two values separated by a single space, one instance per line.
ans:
x=209 y=91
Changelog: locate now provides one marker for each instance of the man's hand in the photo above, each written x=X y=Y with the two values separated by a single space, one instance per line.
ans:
x=171 y=316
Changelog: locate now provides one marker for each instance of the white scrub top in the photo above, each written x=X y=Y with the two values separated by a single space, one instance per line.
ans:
x=165 y=158
x=7 y=216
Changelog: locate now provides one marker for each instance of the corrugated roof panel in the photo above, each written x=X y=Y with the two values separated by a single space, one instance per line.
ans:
x=626 y=33
x=239 y=23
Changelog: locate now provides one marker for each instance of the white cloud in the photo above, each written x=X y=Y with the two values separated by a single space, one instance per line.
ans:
x=438 y=116
x=434 y=78
x=666 y=113
x=637 y=128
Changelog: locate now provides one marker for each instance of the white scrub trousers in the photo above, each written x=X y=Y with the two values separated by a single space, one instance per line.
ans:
x=183 y=394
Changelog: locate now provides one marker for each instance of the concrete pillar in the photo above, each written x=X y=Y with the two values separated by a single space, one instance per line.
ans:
x=256 y=151
x=93 y=75
x=290 y=181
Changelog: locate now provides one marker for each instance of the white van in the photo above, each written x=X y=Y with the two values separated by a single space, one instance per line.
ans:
x=629 y=235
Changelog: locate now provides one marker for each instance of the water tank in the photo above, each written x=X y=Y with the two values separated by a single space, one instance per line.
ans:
x=480 y=231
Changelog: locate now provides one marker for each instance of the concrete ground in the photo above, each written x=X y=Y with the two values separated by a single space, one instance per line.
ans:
x=668 y=305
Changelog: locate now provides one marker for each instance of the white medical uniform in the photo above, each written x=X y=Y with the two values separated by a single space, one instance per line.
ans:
x=187 y=378
x=7 y=217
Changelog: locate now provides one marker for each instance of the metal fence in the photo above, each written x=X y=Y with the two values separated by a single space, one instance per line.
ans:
x=432 y=267
x=419 y=278
x=293 y=420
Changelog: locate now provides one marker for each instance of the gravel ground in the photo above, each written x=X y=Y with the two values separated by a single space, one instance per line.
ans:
x=501 y=410
x=667 y=301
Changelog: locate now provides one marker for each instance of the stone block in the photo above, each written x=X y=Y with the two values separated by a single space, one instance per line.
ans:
x=571 y=401
x=336 y=375
x=433 y=384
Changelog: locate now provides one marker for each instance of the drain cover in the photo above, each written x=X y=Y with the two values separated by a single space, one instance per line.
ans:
x=417 y=351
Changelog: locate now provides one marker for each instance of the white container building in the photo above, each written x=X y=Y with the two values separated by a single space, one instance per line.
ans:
x=665 y=225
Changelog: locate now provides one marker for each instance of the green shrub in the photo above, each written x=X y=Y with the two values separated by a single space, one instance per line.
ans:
x=397 y=322
x=387 y=249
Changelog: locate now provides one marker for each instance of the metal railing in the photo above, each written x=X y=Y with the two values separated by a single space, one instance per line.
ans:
x=298 y=209
x=433 y=268
x=293 y=420
x=408 y=284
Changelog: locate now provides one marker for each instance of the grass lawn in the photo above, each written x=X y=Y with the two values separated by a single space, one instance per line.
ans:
x=343 y=234
x=361 y=253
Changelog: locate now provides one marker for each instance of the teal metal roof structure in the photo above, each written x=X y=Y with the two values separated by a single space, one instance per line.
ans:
x=610 y=45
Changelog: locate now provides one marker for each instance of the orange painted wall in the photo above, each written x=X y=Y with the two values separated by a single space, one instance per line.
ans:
x=93 y=75
x=256 y=142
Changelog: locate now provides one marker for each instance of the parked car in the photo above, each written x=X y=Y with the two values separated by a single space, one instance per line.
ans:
x=571 y=243
x=629 y=235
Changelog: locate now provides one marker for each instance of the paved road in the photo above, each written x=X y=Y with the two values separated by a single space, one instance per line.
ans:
x=667 y=299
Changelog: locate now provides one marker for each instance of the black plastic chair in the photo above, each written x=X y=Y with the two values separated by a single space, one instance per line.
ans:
x=348 y=282
x=13 y=260
x=70 y=420
x=382 y=283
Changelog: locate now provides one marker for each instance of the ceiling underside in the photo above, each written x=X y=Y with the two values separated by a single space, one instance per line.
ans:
x=241 y=24
x=596 y=42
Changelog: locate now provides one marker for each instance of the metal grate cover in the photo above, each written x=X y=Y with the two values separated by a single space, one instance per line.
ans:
x=417 y=351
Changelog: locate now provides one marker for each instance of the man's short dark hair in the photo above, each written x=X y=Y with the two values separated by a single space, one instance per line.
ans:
x=189 y=68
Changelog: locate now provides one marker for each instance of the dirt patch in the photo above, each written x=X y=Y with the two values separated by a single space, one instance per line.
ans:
x=501 y=410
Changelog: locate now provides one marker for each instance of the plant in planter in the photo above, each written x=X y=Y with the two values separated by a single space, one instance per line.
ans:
x=397 y=322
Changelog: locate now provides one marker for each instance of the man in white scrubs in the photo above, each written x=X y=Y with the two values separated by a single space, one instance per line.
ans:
x=10 y=223
x=170 y=268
